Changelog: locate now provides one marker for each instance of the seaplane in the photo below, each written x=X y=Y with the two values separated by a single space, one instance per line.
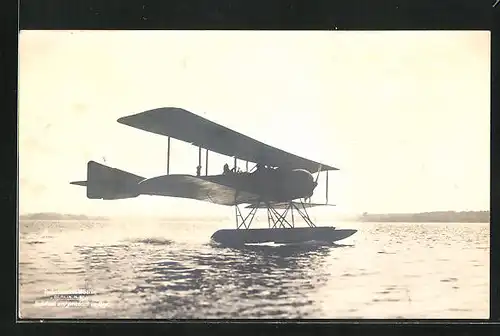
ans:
x=279 y=182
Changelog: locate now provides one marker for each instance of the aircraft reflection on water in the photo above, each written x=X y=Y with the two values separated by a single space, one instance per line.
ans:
x=281 y=249
x=218 y=281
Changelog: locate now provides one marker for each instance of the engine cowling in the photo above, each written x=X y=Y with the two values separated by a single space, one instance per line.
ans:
x=297 y=183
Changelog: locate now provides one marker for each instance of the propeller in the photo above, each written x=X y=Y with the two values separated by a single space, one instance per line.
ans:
x=308 y=199
x=317 y=176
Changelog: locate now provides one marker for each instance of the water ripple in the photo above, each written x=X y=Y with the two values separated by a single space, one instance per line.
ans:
x=382 y=274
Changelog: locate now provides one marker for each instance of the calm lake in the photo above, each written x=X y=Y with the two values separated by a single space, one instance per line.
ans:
x=150 y=270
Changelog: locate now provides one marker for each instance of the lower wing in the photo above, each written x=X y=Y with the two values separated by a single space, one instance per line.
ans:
x=284 y=205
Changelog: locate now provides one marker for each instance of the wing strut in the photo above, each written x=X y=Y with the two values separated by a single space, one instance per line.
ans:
x=198 y=169
x=168 y=155
x=326 y=202
x=206 y=162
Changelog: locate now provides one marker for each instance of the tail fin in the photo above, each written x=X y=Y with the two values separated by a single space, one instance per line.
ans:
x=108 y=183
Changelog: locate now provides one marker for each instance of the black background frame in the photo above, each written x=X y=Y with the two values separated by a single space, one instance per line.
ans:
x=240 y=15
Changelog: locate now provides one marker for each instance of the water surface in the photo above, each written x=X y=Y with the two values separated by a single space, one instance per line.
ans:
x=121 y=269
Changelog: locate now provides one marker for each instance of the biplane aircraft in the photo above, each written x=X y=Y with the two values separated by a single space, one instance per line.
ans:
x=280 y=182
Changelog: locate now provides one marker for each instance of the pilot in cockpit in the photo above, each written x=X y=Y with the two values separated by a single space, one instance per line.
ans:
x=226 y=168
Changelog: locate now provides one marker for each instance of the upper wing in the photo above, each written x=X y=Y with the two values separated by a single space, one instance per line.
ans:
x=186 y=126
x=187 y=186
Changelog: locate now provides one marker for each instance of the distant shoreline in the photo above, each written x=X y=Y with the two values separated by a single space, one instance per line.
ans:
x=58 y=216
x=430 y=217
x=424 y=217
x=53 y=216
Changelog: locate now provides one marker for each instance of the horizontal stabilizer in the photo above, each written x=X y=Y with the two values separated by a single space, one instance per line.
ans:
x=79 y=183
x=284 y=205
x=109 y=183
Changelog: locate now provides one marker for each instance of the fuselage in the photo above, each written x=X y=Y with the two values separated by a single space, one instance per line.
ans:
x=229 y=188
x=273 y=185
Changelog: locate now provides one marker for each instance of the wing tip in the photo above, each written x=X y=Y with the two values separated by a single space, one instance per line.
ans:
x=327 y=168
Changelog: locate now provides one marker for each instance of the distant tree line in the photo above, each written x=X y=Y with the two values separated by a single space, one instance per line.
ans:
x=432 y=217
x=62 y=216
x=58 y=216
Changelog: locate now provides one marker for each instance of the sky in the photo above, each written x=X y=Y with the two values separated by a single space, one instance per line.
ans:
x=405 y=116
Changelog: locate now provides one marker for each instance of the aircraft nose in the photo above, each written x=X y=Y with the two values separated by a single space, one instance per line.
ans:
x=304 y=183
